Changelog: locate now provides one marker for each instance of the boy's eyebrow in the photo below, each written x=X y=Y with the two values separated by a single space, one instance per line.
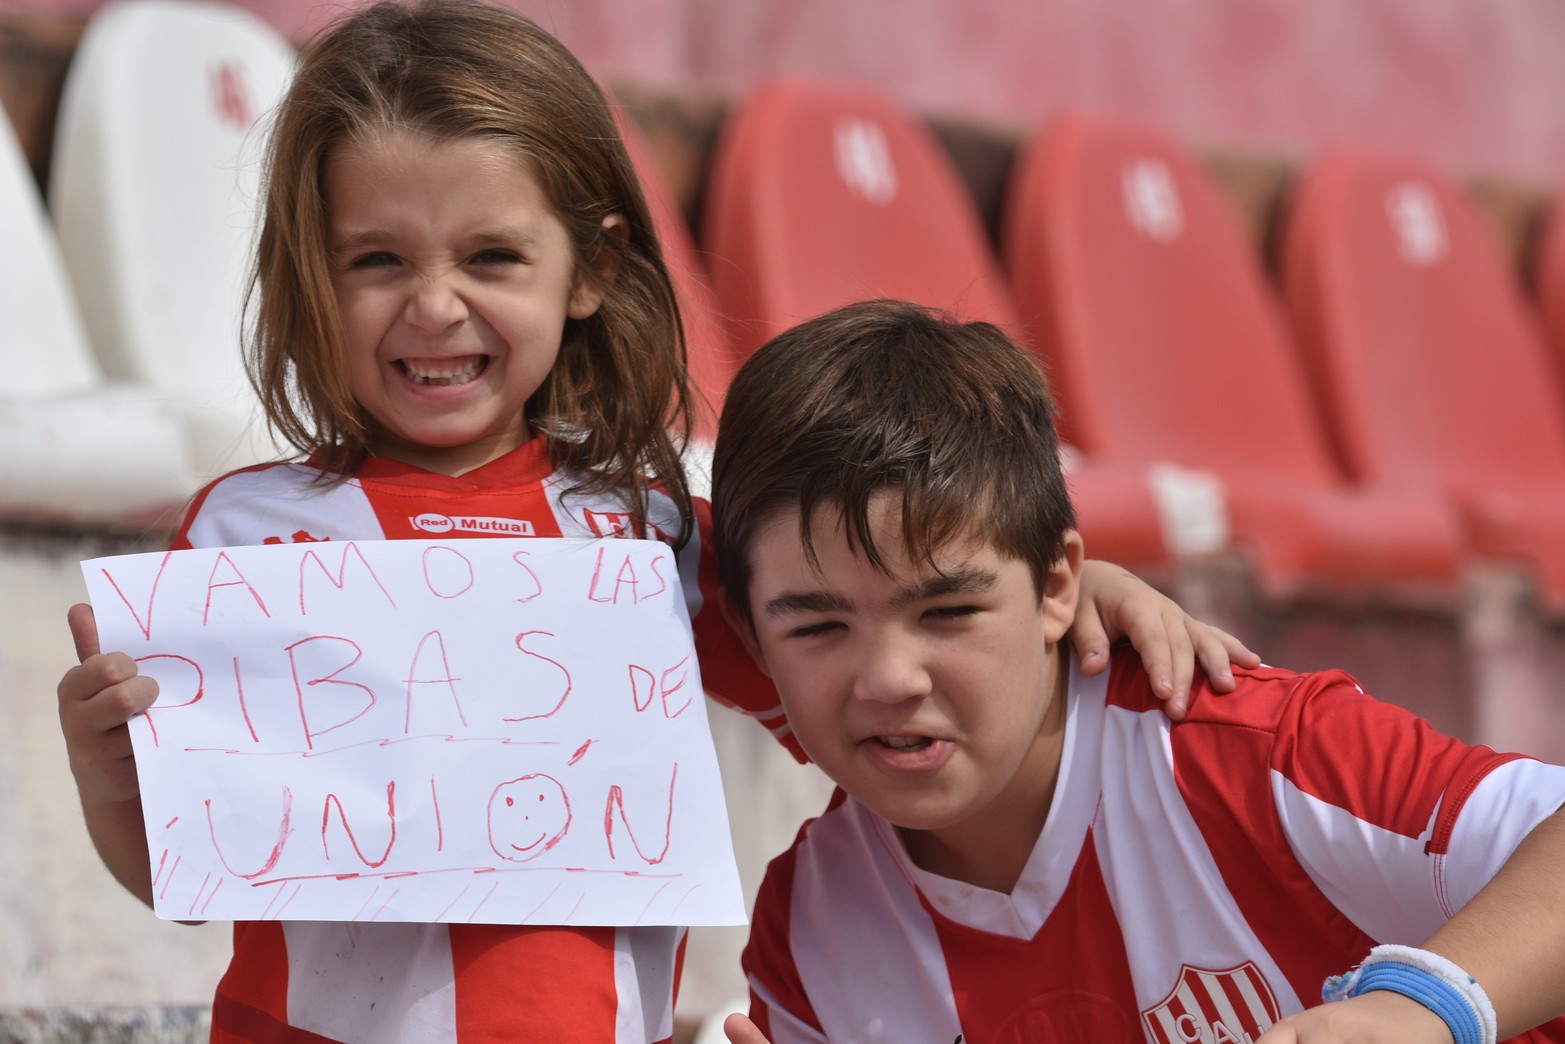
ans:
x=959 y=581
x=807 y=602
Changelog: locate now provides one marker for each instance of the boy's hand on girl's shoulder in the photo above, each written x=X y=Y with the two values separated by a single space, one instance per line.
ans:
x=1370 y=1018
x=97 y=697
x=1115 y=603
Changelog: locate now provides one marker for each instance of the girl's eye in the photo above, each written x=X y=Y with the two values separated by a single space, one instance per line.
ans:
x=377 y=259
x=496 y=257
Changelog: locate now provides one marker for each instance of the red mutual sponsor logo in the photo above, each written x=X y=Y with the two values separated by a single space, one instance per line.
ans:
x=620 y=524
x=1232 y=1006
x=439 y=525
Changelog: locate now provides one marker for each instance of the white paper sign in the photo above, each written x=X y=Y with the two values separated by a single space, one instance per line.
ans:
x=502 y=730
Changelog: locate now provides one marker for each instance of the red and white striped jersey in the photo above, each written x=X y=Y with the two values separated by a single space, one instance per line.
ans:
x=1193 y=882
x=382 y=983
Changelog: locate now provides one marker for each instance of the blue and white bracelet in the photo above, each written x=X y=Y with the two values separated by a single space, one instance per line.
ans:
x=1427 y=978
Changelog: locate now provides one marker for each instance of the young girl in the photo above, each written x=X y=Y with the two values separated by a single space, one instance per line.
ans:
x=464 y=324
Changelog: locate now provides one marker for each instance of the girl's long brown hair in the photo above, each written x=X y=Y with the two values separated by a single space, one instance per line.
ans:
x=615 y=402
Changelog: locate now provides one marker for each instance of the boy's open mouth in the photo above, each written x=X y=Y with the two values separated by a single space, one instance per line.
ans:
x=904 y=742
x=442 y=372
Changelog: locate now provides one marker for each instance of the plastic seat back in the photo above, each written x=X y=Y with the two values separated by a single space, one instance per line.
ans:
x=1415 y=330
x=1170 y=352
x=825 y=193
x=713 y=359
x=822 y=194
x=1432 y=370
x=155 y=191
x=74 y=448
x=43 y=344
x=1547 y=270
x=1137 y=282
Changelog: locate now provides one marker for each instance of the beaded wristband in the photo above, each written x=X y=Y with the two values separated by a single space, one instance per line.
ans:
x=1427 y=978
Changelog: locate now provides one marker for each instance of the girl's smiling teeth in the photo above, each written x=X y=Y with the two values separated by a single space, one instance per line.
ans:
x=459 y=370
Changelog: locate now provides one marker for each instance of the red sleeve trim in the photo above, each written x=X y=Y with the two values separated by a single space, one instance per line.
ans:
x=1473 y=769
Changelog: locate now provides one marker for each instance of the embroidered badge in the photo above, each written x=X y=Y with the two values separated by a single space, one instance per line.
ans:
x=1232 y=1006
x=620 y=524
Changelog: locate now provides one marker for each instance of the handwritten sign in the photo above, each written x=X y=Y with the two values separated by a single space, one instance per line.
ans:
x=503 y=731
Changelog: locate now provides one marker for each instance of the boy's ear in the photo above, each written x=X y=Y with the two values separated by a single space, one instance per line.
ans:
x=741 y=627
x=1061 y=588
x=587 y=294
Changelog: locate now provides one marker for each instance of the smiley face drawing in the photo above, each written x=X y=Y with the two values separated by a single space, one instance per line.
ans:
x=527 y=817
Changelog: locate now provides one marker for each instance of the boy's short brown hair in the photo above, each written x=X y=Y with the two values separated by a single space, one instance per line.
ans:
x=887 y=395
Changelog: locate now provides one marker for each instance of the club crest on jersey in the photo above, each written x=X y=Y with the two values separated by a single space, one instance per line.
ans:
x=1232 y=1006
x=300 y=536
x=619 y=524
x=436 y=523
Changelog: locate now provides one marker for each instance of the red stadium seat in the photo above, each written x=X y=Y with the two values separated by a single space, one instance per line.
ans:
x=713 y=358
x=1548 y=279
x=1120 y=518
x=1167 y=346
x=821 y=194
x=1431 y=369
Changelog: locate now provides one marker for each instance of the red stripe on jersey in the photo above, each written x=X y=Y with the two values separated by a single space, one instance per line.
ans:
x=990 y=973
x=1247 y=993
x=252 y=998
x=768 y=958
x=234 y=1023
x=730 y=673
x=1420 y=763
x=506 y=497
x=1416 y=767
x=760 y=1014
x=679 y=963
x=1305 y=934
x=556 y=981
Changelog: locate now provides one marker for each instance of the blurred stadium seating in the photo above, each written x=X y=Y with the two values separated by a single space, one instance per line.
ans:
x=154 y=185
x=1393 y=436
x=821 y=193
x=1432 y=371
x=1429 y=364
x=713 y=357
x=79 y=449
x=1169 y=349
x=1545 y=276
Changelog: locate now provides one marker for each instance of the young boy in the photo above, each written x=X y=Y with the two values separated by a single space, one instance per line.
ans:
x=1018 y=852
